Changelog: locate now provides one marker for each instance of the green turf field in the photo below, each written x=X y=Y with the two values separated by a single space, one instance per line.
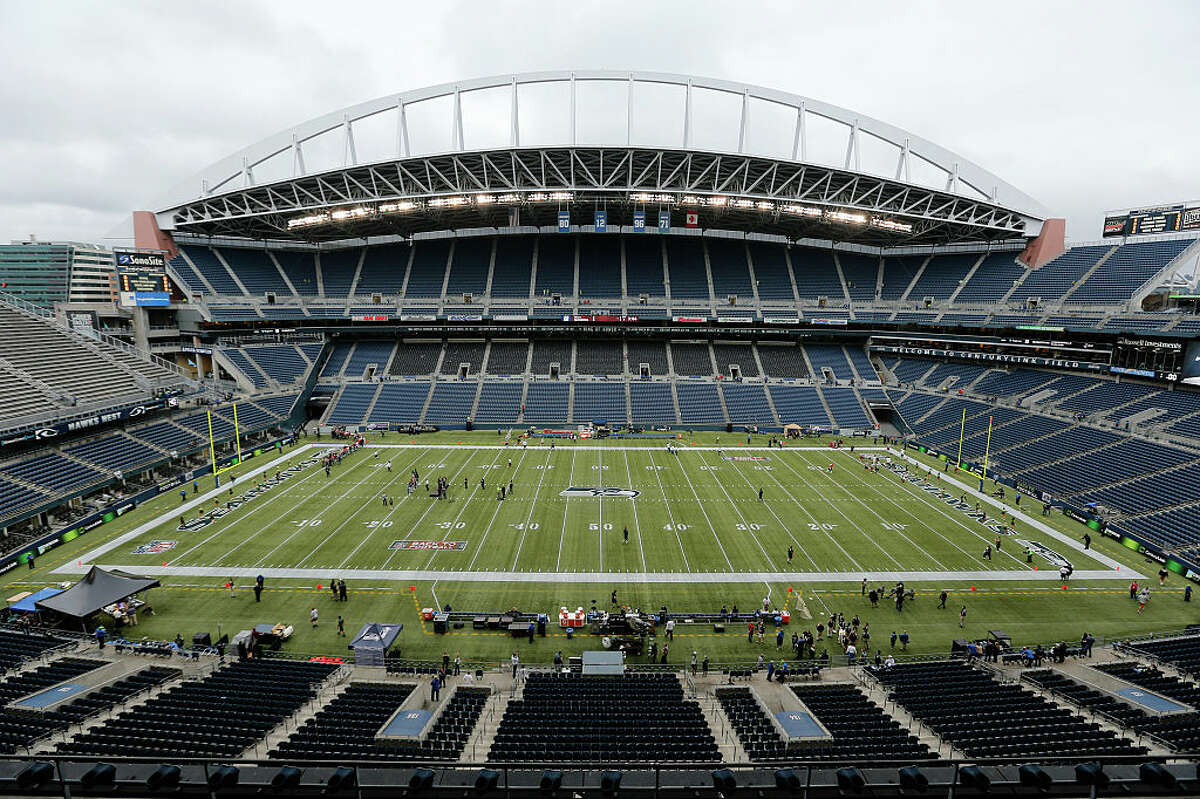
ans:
x=699 y=537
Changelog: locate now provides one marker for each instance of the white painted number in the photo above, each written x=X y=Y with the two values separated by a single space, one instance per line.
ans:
x=820 y=526
x=374 y=525
x=900 y=528
x=307 y=523
x=596 y=526
x=708 y=468
x=763 y=468
x=543 y=466
x=523 y=526
x=744 y=527
x=451 y=525
x=679 y=527
x=654 y=468
x=599 y=468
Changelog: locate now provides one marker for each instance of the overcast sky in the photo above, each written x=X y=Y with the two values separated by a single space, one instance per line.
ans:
x=1086 y=106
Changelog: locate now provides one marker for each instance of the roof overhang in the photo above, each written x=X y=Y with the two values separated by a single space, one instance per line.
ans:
x=891 y=187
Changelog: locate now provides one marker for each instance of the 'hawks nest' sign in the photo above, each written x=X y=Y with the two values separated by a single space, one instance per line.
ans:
x=600 y=493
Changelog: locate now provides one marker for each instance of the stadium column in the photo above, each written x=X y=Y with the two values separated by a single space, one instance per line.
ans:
x=141 y=329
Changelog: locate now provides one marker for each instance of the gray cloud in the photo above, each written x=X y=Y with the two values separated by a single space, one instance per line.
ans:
x=1086 y=106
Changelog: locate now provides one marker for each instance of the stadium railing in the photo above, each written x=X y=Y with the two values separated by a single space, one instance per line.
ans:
x=63 y=775
x=210 y=383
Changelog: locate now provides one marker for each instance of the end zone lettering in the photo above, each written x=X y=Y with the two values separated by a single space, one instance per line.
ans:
x=440 y=546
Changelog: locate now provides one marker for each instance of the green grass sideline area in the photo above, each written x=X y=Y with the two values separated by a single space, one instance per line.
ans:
x=699 y=538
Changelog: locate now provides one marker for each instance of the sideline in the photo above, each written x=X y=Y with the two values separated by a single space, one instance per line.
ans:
x=1035 y=524
x=198 y=499
x=399 y=575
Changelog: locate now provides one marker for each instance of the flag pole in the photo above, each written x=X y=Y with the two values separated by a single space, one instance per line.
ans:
x=961 y=428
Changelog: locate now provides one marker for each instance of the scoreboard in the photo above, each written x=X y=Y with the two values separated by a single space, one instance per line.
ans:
x=142 y=278
x=1148 y=221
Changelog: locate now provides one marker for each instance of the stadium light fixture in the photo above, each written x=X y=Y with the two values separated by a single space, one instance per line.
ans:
x=343 y=214
x=558 y=196
x=802 y=210
x=484 y=199
x=398 y=207
x=848 y=217
x=890 y=224
x=647 y=197
x=448 y=202
x=305 y=221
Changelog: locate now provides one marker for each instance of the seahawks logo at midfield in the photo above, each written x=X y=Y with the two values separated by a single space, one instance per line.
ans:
x=601 y=493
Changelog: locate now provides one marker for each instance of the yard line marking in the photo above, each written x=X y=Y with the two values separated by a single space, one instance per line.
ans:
x=1057 y=535
x=671 y=516
x=941 y=510
x=563 y=529
x=846 y=518
x=600 y=507
x=271 y=498
x=487 y=530
x=403 y=575
x=872 y=511
x=532 y=505
x=463 y=509
x=432 y=505
x=321 y=513
x=351 y=516
x=811 y=518
x=388 y=515
x=700 y=505
x=745 y=523
x=782 y=524
x=637 y=527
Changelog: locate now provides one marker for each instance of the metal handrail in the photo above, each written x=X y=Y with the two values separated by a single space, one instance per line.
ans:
x=113 y=341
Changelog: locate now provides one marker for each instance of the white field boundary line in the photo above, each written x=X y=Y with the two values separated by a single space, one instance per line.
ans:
x=400 y=575
x=199 y=499
x=682 y=448
x=1032 y=522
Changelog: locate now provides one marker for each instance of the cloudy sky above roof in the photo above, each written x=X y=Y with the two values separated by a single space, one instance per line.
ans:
x=1085 y=106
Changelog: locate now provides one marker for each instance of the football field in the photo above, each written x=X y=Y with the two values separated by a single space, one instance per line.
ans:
x=596 y=511
x=699 y=538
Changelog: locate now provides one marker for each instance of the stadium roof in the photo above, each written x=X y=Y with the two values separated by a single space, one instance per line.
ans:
x=740 y=157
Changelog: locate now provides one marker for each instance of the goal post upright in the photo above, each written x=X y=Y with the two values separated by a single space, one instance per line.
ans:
x=212 y=446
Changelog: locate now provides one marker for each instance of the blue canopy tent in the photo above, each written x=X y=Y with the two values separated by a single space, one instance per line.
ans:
x=373 y=641
x=27 y=605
